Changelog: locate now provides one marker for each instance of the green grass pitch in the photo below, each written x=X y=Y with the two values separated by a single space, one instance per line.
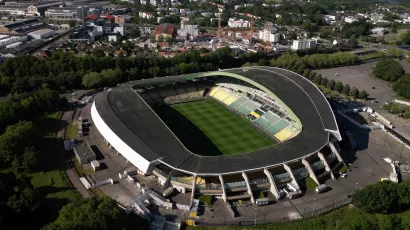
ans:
x=208 y=128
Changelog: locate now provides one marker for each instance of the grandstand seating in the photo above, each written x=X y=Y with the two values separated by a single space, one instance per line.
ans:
x=248 y=107
x=284 y=135
x=266 y=120
x=242 y=100
x=278 y=126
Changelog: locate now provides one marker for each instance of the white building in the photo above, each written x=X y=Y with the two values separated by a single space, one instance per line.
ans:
x=238 y=23
x=303 y=44
x=43 y=33
x=330 y=18
x=145 y=15
x=267 y=36
x=153 y=2
x=350 y=19
x=121 y=30
x=191 y=30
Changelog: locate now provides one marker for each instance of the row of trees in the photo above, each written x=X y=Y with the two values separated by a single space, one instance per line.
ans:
x=336 y=86
x=383 y=197
x=27 y=72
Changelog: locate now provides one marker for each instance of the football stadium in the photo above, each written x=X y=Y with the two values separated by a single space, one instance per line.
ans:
x=228 y=133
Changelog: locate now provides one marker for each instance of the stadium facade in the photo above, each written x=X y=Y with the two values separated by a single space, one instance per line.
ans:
x=282 y=104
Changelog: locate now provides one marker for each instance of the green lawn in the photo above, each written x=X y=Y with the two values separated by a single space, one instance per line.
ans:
x=207 y=127
x=49 y=178
x=71 y=131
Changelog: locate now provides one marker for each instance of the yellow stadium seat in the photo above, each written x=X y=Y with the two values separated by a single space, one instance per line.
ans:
x=255 y=114
x=230 y=100
x=284 y=135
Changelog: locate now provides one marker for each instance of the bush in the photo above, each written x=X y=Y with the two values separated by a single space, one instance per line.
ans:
x=206 y=199
x=388 y=70
x=346 y=89
x=310 y=183
x=339 y=86
x=402 y=86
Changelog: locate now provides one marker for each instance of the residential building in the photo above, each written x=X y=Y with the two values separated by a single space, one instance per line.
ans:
x=121 y=30
x=238 y=23
x=303 y=44
x=188 y=30
x=145 y=15
x=267 y=35
x=350 y=19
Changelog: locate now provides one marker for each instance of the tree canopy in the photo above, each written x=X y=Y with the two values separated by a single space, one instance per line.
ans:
x=388 y=70
x=402 y=86
x=91 y=213
x=383 y=197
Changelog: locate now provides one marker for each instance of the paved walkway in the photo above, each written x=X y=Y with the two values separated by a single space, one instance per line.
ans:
x=69 y=170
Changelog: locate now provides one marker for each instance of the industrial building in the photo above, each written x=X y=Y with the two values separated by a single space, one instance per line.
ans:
x=42 y=34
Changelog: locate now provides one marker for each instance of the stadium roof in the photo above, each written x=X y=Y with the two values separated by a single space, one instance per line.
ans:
x=132 y=120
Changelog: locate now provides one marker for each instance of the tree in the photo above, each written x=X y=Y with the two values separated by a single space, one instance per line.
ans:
x=154 y=71
x=324 y=81
x=47 y=98
x=317 y=79
x=306 y=73
x=383 y=197
x=354 y=92
x=14 y=143
x=346 y=89
x=402 y=86
x=331 y=84
x=98 y=53
x=92 y=213
x=92 y=80
x=134 y=33
x=389 y=70
x=363 y=94
x=339 y=86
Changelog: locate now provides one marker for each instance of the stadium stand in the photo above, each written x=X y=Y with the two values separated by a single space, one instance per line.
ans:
x=278 y=126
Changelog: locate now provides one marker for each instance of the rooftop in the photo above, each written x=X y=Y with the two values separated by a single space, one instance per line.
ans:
x=165 y=29
x=83 y=149
x=123 y=110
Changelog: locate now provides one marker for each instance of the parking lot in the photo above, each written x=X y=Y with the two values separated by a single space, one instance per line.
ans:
x=379 y=91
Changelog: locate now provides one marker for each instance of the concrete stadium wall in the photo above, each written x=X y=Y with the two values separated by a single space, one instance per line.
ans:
x=132 y=156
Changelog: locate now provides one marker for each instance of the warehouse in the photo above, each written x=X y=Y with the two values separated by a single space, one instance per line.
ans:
x=43 y=33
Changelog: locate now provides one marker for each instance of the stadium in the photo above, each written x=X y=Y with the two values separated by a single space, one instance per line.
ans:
x=228 y=133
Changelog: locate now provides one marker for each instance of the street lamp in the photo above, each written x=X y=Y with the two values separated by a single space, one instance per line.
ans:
x=356 y=185
x=337 y=222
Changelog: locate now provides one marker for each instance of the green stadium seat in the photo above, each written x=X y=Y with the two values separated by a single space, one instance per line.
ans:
x=278 y=126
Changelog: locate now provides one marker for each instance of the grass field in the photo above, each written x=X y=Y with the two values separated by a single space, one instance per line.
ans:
x=71 y=130
x=208 y=128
